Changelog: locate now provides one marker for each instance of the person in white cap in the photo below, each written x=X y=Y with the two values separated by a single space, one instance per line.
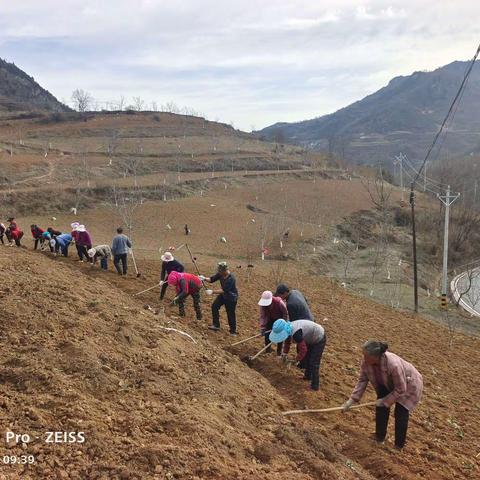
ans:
x=169 y=264
x=74 y=234
x=102 y=252
x=271 y=308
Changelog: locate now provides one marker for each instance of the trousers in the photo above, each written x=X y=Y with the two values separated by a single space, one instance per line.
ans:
x=230 y=307
x=382 y=415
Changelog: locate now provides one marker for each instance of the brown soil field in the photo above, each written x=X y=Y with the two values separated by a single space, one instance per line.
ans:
x=81 y=354
x=303 y=207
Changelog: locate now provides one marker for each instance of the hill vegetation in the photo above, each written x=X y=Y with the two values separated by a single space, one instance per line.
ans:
x=401 y=117
x=20 y=93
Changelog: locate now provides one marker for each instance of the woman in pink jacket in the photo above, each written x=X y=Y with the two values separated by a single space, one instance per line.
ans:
x=395 y=381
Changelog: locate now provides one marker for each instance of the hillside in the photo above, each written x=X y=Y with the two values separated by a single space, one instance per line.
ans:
x=71 y=155
x=403 y=116
x=81 y=354
x=21 y=93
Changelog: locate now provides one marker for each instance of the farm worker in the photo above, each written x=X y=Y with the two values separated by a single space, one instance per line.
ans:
x=83 y=242
x=395 y=381
x=62 y=243
x=2 y=232
x=74 y=232
x=102 y=252
x=187 y=230
x=13 y=233
x=271 y=309
x=37 y=233
x=227 y=296
x=186 y=284
x=310 y=339
x=53 y=233
x=297 y=305
x=169 y=264
x=120 y=245
x=46 y=236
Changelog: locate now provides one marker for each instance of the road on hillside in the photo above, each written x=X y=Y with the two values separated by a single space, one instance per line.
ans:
x=466 y=290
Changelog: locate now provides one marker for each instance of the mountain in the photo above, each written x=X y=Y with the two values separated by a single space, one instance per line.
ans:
x=403 y=116
x=20 y=93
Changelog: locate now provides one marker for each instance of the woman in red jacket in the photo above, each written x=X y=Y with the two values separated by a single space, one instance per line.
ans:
x=186 y=284
x=14 y=234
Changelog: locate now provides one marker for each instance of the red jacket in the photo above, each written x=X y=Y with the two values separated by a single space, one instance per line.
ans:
x=15 y=232
x=37 y=232
x=185 y=283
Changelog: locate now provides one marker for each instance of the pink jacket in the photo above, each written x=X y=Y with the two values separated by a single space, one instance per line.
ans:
x=274 y=311
x=400 y=377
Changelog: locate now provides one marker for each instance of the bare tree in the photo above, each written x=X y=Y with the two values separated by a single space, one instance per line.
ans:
x=121 y=103
x=138 y=104
x=130 y=167
x=379 y=191
x=82 y=100
x=126 y=203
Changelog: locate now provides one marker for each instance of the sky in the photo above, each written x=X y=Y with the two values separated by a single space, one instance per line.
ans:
x=244 y=62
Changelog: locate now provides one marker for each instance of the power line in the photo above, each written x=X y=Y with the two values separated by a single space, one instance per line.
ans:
x=450 y=110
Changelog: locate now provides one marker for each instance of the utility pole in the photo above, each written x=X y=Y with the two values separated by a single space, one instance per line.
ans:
x=425 y=177
x=447 y=200
x=414 y=240
x=399 y=161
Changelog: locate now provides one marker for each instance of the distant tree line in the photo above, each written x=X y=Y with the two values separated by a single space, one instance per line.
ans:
x=83 y=101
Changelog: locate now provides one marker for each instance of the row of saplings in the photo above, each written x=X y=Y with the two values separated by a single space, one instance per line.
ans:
x=285 y=317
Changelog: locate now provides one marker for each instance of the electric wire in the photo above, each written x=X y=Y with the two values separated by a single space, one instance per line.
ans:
x=450 y=110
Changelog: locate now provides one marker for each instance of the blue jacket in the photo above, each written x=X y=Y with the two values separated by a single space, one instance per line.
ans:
x=120 y=245
x=64 y=239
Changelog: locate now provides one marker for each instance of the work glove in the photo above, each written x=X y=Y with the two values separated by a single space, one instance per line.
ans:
x=379 y=403
x=174 y=301
x=162 y=282
x=347 y=405
x=202 y=277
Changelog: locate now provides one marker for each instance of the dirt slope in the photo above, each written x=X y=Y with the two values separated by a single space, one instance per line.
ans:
x=80 y=355
x=443 y=440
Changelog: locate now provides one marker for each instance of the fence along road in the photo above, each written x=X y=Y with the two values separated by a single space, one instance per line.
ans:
x=466 y=290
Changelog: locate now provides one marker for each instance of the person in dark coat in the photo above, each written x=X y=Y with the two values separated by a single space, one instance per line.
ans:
x=169 y=264
x=186 y=284
x=227 y=296
x=37 y=234
x=297 y=304
x=53 y=233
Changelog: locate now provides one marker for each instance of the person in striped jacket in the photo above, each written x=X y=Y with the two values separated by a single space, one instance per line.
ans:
x=395 y=382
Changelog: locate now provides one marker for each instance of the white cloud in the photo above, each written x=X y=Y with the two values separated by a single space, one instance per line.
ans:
x=244 y=61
